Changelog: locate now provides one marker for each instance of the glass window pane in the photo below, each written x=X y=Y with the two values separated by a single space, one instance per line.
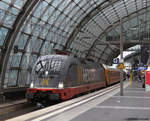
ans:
x=23 y=76
x=9 y=20
x=2 y=13
x=14 y=11
x=24 y=61
x=56 y=2
x=16 y=60
x=12 y=78
x=20 y=3
x=3 y=33
x=38 y=45
x=22 y=41
x=3 y=5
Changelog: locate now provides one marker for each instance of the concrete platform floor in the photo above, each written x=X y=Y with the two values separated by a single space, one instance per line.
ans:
x=133 y=106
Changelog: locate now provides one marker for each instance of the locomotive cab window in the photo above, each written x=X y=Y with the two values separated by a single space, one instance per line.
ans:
x=46 y=73
x=48 y=68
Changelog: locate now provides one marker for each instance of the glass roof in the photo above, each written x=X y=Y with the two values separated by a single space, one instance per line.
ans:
x=97 y=27
x=83 y=27
x=9 y=10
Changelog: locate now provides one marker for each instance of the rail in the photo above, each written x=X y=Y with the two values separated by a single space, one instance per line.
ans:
x=7 y=109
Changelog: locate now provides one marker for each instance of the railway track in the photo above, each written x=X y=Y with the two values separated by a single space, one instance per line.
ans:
x=16 y=108
x=4 y=108
x=58 y=108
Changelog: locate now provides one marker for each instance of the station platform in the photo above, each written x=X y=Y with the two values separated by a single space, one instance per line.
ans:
x=133 y=106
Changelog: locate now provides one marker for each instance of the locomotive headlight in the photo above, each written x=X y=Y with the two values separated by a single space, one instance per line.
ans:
x=46 y=73
x=31 y=85
x=61 y=85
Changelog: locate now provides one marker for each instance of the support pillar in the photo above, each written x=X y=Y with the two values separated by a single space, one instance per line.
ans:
x=121 y=57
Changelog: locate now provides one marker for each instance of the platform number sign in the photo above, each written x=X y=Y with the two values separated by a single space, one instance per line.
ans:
x=116 y=60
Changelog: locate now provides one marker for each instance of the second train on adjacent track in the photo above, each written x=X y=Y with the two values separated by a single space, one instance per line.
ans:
x=61 y=77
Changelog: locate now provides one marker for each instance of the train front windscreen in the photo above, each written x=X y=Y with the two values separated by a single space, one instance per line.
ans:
x=46 y=73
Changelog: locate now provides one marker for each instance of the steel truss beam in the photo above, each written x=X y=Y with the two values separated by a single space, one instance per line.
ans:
x=130 y=42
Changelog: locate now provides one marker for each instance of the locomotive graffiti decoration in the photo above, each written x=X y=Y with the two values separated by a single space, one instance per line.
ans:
x=61 y=77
